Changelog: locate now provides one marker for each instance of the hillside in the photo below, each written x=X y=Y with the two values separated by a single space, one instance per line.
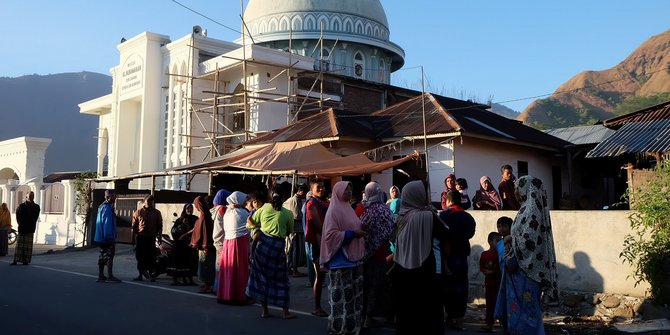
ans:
x=504 y=111
x=46 y=106
x=641 y=80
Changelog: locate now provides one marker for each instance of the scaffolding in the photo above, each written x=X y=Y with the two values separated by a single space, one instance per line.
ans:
x=223 y=116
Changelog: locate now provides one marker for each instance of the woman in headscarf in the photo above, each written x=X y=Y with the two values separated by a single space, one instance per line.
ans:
x=416 y=291
x=379 y=226
x=449 y=184
x=529 y=262
x=218 y=211
x=202 y=240
x=234 y=266
x=394 y=202
x=486 y=198
x=268 y=279
x=181 y=235
x=342 y=247
x=5 y=227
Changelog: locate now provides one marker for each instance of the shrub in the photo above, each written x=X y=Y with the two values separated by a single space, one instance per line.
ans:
x=647 y=248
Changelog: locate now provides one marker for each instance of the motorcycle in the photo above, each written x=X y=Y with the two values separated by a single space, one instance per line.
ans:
x=13 y=235
x=165 y=253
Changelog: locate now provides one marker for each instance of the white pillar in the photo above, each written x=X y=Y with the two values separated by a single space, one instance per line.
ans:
x=42 y=196
x=10 y=203
x=4 y=194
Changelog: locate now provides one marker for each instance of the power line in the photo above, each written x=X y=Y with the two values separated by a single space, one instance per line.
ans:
x=207 y=17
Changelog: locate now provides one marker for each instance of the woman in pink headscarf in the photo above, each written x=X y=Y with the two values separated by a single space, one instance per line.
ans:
x=342 y=247
x=486 y=198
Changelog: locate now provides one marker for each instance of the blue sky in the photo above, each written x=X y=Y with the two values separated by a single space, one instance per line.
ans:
x=481 y=49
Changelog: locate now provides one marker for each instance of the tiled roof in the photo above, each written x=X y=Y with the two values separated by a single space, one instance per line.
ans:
x=582 y=135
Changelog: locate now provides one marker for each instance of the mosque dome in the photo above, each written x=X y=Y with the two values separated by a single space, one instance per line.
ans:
x=350 y=22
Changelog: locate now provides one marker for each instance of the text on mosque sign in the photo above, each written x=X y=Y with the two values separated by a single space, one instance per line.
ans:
x=131 y=74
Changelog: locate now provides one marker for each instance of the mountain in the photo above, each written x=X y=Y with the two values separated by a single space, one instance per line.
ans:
x=504 y=111
x=639 y=81
x=46 y=106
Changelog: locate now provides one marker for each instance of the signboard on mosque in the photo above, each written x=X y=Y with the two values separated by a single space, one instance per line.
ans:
x=132 y=74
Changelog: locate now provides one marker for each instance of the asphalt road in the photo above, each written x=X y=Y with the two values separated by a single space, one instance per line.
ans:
x=57 y=294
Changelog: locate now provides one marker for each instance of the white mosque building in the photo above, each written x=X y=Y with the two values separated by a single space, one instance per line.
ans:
x=179 y=102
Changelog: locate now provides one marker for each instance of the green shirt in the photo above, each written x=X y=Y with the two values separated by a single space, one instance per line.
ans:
x=275 y=223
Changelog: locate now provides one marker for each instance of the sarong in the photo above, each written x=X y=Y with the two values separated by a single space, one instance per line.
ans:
x=24 y=249
x=234 y=270
x=206 y=266
x=268 y=280
x=346 y=300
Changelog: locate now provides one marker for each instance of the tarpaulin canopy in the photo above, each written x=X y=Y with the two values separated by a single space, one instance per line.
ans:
x=302 y=158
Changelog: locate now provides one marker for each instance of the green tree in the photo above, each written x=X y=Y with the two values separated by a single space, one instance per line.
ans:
x=647 y=248
x=83 y=201
x=634 y=104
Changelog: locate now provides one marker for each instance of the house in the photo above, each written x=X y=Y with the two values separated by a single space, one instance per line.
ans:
x=461 y=137
x=641 y=140
x=592 y=183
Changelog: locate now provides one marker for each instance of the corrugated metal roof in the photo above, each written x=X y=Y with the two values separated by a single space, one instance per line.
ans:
x=443 y=116
x=635 y=137
x=658 y=112
x=447 y=115
x=582 y=135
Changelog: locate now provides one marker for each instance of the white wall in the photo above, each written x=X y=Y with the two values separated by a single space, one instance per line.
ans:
x=475 y=158
x=587 y=246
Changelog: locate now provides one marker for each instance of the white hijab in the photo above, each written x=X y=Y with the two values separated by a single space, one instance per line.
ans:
x=235 y=219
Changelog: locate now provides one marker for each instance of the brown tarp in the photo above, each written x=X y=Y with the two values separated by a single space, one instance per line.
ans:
x=302 y=157
x=354 y=165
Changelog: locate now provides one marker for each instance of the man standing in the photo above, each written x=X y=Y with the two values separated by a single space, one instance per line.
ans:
x=295 y=242
x=26 y=216
x=105 y=236
x=147 y=225
x=506 y=189
x=461 y=229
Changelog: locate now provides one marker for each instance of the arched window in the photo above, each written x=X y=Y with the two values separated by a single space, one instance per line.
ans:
x=359 y=27
x=296 y=23
x=336 y=25
x=323 y=21
x=283 y=25
x=349 y=26
x=359 y=65
x=309 y=23
x=382 y=71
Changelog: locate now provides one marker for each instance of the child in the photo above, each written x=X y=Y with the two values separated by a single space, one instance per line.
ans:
x=490 y=267
x=255 y=201
x=504 y=225
x=462 y=187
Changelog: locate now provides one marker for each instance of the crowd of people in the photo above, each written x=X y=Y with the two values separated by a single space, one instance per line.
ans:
x=396 y=262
